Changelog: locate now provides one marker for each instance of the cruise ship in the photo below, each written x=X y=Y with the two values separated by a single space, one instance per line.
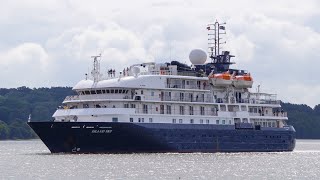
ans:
x=169 y=107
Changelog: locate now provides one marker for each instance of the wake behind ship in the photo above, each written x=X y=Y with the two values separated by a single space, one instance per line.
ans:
x=169 y=107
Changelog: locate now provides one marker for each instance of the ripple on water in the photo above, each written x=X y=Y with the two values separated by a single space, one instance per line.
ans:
x=32 y=160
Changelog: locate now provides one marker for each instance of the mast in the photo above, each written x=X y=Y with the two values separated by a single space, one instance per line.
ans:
x=221 y=61
x=96 y=68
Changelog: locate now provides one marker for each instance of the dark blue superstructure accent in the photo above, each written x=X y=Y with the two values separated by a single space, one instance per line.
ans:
x=109 y=137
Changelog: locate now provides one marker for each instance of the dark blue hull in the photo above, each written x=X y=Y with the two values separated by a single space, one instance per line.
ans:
x=108 y=137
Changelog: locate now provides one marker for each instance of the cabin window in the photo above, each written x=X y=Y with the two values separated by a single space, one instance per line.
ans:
x=217 y=121
x=180 y=121
x=139 y=119
x=181 y=108
x=145 y=109
x=173 y=121
x=245 y=120
x=201 y=121
x=229 y=121
x=223 y=108
x=131 y=119
x=103 y=91
x=223 y=121
x=99 y=92
x=168 y=109
x=116 y=91
x=142 y=119
x=202 y=110
x=181 y=96
x=85 y=105
x=126 y=105
x=243 y=108
x=107 y=91
x=207 y=121
x=141 y=91
x=93 y=92
x=191 y=121
x=112 y=91
x=120 y=91
x=161 y=109
x=114 y=119
x=133 y=105
x=150 y=120
x=152 y=93
x=191 y=110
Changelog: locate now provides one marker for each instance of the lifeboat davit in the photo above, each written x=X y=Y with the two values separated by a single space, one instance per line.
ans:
x=221 y=79
x=243 y=81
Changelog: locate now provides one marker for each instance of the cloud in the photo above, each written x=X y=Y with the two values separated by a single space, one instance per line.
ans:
x=277 y=41
x=26 y=64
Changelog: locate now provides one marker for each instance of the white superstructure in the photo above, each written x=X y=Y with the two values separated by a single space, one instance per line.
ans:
x=158 y=93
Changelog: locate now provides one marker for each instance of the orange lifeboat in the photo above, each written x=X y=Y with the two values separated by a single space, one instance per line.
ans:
x=221 y=79
x=243 y=81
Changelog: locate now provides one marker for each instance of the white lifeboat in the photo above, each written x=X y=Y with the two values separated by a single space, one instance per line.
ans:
x=243 y=81
x=221 y=79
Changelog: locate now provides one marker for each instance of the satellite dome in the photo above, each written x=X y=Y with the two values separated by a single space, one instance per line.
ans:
x=198 y=56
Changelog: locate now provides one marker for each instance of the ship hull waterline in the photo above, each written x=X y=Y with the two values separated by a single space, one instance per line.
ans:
x=116 y=137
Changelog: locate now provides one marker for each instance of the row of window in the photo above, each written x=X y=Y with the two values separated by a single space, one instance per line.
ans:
x=174 y=121
x=104 y=91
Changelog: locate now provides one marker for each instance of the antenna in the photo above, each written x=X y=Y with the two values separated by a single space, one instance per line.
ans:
x=215 y=30
x=96 y=68
x=220 y=61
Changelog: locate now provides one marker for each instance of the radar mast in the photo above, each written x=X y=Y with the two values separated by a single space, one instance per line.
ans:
x=221 y=61
x=96 y=68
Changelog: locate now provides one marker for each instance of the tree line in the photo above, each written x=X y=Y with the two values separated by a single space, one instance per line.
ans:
x=16 y=104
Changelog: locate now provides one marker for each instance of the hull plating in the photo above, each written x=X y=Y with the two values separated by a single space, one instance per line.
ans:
x=107 y=137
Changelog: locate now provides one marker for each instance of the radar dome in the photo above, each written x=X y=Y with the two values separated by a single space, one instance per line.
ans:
x=198 y=56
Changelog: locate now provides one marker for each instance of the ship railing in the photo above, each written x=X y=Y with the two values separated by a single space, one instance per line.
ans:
x=274 y=114
x=195 y=87
x=71 y=98
x=186 y=99
x=175 y=112
x=157 y=72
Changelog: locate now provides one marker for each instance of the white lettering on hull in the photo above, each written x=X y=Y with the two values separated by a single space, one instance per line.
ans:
x=95 y=131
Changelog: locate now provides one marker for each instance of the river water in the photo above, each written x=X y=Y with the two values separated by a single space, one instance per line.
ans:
x=32 y=160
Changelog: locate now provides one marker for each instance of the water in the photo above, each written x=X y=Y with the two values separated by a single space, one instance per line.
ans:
x=32 y=160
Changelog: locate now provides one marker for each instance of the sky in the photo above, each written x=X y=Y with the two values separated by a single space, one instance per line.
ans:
x=49 y=43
